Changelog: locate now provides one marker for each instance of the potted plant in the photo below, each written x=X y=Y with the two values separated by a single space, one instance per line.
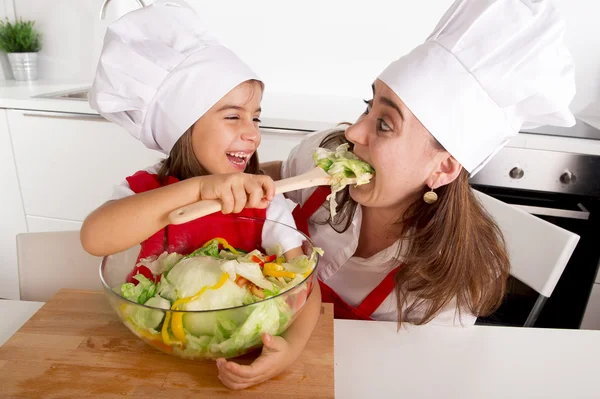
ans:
x=21 y=42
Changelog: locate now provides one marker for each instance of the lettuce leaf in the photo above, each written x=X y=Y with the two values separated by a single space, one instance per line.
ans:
x=139 y=293
x=344 y=168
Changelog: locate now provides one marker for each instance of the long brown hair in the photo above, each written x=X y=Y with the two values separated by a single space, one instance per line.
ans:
x=455 y=251
x=183 y=164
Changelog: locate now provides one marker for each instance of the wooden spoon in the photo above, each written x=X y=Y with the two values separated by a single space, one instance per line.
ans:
x=312 y=178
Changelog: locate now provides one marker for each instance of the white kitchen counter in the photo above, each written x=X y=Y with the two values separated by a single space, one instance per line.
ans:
x=373 y=360
x=280 y=111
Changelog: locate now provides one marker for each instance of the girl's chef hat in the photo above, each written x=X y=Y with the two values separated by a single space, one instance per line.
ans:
x=160 y=70
x=490 y=68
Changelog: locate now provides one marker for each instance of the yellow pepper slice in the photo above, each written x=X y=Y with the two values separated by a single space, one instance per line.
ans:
x=177 y=318
x=275 y=270
x=224 y=243
x=177 y=327
x=221 y=281
x=165 y=329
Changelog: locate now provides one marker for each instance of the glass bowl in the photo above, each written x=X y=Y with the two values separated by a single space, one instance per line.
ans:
x=211 y=334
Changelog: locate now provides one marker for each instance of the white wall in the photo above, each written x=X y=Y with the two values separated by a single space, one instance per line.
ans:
x=333 y=47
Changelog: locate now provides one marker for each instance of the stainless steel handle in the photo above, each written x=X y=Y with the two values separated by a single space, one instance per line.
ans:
x=63 y=115
x=105 y=3
x=562 y=213
x=283 y=132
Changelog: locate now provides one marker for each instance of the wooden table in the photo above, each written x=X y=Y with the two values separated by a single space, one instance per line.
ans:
x=75 y=346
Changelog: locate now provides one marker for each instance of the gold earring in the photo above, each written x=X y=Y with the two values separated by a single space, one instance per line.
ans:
x=430 y=197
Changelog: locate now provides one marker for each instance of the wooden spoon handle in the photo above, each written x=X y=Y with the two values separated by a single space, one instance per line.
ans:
x=312 y=178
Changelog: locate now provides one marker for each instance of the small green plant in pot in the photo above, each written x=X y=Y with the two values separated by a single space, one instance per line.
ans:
x=21 y=42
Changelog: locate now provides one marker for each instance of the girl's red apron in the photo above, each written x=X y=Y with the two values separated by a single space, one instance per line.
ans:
x=188 y=237
x=342 y=310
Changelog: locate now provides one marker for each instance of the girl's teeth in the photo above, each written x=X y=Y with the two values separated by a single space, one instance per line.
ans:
x=237 y=155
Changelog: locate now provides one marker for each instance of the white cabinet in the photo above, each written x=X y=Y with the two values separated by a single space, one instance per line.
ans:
x=591 y=318
x=12 y=216
x=37 y=224
x=69 y=163
x=276 y=144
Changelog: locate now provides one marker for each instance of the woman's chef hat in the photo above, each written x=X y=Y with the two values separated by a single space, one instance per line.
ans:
x=160 y=70
x=490 y=68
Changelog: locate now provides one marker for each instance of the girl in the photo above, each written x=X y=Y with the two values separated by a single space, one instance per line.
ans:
x=181 y=92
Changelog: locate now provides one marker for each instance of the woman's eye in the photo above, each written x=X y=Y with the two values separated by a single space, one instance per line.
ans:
x=369 y=104
x=232 y=117
x=257 y=120
x=382 y=126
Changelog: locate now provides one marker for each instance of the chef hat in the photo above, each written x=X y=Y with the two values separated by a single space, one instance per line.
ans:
x=160 y=70
x=490 y=68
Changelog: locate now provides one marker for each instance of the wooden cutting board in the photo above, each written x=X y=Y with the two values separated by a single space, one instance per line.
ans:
x=76 y=347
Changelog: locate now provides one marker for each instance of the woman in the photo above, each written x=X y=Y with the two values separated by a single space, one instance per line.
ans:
x=414 y=245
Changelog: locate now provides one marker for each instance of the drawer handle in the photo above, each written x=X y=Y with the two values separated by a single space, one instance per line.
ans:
x=63 y=115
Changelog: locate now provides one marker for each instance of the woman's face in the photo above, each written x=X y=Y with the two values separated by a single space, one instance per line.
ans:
x=404 y=154
x=227 y=135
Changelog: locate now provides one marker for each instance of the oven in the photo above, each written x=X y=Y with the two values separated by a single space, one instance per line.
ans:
x=561 y=188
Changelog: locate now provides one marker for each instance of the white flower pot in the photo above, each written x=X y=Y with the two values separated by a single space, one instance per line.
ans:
x=23 y=65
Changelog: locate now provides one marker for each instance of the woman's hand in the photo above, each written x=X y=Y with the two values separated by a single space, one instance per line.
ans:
x=277 y=355
x=237 y=191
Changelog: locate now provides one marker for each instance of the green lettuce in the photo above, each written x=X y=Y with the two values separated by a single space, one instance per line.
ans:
x=211 y=249
x=344 y=168
x=139 y=293
x=147 y=318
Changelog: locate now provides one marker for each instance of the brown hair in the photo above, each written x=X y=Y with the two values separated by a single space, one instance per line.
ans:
x=455 y=251
x=183 y=164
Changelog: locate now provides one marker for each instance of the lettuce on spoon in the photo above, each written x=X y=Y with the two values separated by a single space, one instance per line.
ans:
x=344 y=168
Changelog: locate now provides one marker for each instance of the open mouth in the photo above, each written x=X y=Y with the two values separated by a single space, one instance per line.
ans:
x=238 y=159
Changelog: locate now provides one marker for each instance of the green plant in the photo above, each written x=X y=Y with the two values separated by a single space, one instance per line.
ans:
x=19 y=37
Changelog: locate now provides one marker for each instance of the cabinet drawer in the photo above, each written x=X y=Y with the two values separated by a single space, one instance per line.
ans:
x=68 y=163
x=38 y=224
x=276 y=144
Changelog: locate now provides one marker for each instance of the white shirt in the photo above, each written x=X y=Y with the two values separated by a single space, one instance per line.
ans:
x=272 y=233
x=351 y=277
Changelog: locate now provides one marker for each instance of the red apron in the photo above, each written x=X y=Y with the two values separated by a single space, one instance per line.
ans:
x=341 y=309
x=186 y=238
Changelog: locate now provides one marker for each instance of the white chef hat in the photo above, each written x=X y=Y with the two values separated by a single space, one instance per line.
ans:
x=490 y=68
x=160 y=70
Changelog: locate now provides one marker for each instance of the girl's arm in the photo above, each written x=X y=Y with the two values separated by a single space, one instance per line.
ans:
x=119 y=225
x=278 y=353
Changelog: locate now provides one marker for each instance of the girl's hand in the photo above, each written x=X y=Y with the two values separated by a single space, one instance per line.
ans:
x=277 y=355
x=237 y=191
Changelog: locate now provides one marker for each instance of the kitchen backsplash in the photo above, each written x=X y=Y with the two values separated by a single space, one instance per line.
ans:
x=333 y=47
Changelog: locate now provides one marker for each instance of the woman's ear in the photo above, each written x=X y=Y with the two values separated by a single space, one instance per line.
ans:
x=445 y=173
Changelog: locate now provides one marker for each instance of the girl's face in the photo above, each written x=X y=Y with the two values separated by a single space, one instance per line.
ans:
x=227 y=135
x=404 y=154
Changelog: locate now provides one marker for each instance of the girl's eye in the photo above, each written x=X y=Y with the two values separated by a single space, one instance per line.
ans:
x=369 y=105
x=257 y=120
x=382 y=126
x=232 y=117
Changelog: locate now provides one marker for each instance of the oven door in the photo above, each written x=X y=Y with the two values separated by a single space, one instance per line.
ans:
x=578 y=214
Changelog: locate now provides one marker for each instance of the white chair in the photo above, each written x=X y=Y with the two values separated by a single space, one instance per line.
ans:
x=538 y=250
x=50 y=261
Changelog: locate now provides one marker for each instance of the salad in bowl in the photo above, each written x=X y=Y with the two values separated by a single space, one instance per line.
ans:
x=214 y=302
